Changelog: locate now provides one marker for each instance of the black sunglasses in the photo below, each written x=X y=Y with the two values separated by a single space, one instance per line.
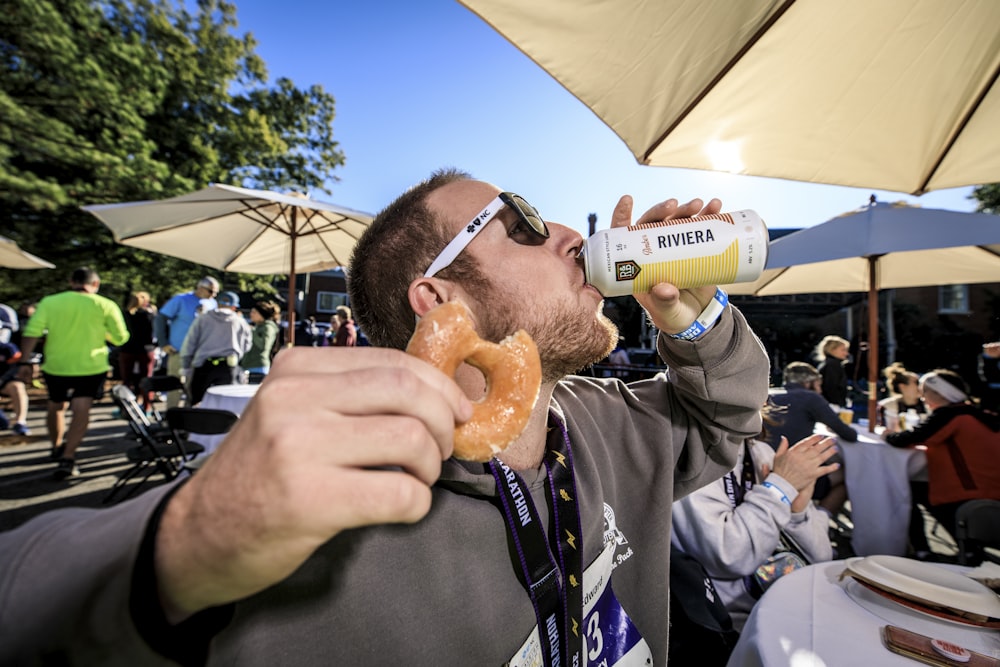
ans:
x=530 y=229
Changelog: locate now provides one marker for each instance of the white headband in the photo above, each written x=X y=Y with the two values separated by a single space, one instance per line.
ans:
x=942 y=387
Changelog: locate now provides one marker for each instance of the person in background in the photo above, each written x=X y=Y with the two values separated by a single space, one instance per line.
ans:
x=10 y=386
x=962 y=442
x=831 y=353
x=618 y=357
x=214 y=346
x=137 y=357
x=904 y=387
x=733 y=525
x=257 y=362
x=78 y=325
x=347 y=333
x=988 y=369
x=172 y=323
x=798 y=407
x=331 y=333
x=307 y=333
x=24 y=314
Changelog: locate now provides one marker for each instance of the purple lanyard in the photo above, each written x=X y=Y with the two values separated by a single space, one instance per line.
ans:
x=737 y=489
x=554 y=581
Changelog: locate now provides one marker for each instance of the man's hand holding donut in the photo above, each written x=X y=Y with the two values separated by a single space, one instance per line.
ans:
x=670 y=309
x=363 y=449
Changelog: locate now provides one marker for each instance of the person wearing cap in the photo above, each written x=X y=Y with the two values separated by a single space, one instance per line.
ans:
x=962 y=443
x=214 y=345
x=173 y=322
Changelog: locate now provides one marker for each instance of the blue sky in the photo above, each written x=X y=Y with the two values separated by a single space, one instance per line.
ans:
x=422 y=84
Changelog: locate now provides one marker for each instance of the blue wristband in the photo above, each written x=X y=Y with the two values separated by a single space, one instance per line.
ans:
x=781 y=493
x=707 y=318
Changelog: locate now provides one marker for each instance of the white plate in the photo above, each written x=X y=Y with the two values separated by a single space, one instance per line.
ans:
x=927 y=582
x=975 y=638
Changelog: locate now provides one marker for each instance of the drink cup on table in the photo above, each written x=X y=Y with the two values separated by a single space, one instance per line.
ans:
x=890 y=418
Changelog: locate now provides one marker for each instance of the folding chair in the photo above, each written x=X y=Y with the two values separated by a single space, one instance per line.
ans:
x=184 y=422
x=162 y=384
x=977 y=525
x=158 y=450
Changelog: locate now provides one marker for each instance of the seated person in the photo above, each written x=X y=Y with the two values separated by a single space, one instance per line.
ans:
x=962 y=444
x=801 y=408
x=731 y=526
x=904 y=387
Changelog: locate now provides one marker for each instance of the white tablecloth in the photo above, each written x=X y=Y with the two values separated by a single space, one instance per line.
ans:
x=231 y=397
x=878 y=484
x=810 y=619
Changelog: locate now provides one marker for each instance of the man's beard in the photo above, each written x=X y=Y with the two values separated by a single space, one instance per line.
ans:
x=569 y=338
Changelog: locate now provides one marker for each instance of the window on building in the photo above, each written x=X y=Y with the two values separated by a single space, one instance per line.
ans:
x=327 y=302
x=953 y=299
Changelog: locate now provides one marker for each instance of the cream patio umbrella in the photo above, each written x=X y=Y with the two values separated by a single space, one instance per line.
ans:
x=12 y=257
x=242 y=230
x=881 y=246
x=897 y=95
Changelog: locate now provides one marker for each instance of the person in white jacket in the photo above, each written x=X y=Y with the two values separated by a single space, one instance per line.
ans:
x=731 y=526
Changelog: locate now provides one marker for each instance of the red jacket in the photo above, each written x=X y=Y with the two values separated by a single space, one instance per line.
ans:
x=963 y=453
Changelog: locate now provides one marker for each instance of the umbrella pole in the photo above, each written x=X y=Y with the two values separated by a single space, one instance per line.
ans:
x=291 y=284
x=872 y=344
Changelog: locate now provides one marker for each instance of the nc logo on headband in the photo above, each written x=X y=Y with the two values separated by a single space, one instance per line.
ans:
x=478 y=221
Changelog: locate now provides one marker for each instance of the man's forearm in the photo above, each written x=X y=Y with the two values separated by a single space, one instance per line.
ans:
x=28 y=348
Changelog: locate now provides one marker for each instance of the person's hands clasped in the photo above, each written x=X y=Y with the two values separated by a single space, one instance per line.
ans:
x=336 y=438
x=671 y=310
x=803 y=464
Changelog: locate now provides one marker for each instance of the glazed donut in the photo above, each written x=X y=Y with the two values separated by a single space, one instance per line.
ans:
x=445 y=337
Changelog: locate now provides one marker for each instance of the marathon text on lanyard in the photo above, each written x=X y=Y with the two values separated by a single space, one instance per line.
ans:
x=551 y=577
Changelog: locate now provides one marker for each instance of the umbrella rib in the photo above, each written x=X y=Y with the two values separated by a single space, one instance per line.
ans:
x=761 y=31
x=262 y=220
x=957 y=132
x=318 y=231
x=315 y=229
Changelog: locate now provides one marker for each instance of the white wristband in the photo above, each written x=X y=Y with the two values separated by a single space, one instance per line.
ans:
x=774 y=487
x=707 y=318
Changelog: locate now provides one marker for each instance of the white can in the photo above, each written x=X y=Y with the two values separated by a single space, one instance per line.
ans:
x=686 y=252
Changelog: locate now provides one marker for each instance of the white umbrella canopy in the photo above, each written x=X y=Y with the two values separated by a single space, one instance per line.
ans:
x=897 y=95
x=12 y=257
x=881 y=246
x=242 y=230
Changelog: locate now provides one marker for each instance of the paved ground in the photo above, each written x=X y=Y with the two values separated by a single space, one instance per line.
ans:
x=26 y=484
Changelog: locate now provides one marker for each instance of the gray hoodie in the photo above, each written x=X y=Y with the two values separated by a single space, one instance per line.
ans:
x=217 y=333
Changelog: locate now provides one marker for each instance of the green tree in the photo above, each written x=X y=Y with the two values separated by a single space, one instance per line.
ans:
x=110 y=100
x=988 y=196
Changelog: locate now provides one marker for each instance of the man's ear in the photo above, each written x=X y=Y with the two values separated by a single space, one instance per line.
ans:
x=426 y=293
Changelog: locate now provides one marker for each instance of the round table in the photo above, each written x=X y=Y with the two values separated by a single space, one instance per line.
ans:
x=812 y=617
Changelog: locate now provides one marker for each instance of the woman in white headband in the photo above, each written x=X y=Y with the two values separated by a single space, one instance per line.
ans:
x=962 y=444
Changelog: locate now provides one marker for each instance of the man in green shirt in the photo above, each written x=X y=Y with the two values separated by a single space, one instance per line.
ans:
x=77 y=324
